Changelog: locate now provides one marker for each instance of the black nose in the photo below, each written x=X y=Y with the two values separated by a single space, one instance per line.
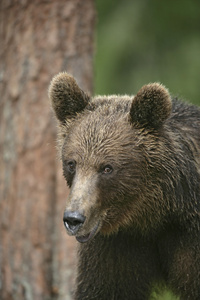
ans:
x=73 y=220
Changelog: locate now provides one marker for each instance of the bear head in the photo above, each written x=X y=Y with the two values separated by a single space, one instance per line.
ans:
x=111 y=149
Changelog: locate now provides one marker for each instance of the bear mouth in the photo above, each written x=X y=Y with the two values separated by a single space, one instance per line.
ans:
x=85 y=238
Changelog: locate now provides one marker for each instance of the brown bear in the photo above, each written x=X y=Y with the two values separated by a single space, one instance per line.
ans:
x=133 y=167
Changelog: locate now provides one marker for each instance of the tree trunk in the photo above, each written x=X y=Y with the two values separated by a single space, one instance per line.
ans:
x=38 y=39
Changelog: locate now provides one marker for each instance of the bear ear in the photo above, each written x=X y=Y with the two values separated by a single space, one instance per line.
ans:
x=66 y=97
x=151 y=106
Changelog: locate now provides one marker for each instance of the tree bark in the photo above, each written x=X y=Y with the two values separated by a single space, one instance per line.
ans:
x=38 y=39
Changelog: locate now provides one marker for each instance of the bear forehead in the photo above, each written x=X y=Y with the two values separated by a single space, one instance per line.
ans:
x=104 y=118
x=103 y=132
x=95 y=129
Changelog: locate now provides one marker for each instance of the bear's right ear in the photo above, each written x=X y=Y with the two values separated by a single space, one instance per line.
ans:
x=66 y=97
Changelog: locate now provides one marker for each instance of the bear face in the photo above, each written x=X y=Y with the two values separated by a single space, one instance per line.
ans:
x=112 y=150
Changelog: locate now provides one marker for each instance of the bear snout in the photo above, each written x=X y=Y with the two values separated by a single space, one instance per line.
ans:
x=73 y=220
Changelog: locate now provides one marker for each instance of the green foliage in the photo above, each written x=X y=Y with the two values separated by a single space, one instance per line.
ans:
x=163 y=295
x=144 y=41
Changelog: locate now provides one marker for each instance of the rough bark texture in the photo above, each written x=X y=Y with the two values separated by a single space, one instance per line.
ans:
x=38 y=39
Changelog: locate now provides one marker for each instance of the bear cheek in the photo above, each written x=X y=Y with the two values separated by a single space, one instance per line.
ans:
x=113 y=220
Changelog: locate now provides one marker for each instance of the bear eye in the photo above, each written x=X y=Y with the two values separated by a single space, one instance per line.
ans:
x=107 y=169
x=71 y=166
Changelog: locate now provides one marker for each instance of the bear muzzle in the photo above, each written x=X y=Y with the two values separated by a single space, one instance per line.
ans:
x=73 y=221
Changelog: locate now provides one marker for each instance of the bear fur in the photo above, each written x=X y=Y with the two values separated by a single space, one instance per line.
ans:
x=133 y=167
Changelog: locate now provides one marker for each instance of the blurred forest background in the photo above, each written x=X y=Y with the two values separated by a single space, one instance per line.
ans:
x=111 y=47
x=142 y=41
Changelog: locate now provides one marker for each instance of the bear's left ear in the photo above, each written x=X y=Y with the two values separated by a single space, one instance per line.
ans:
x=66 y=97
x=151 y=106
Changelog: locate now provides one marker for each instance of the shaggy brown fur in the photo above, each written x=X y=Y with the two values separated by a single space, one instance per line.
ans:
x=133 y=166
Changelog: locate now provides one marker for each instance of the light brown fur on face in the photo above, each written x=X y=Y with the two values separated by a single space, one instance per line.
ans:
x=90 y=155
x=132 y=165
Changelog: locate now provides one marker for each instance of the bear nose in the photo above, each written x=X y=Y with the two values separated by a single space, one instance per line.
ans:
x=73 y=220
